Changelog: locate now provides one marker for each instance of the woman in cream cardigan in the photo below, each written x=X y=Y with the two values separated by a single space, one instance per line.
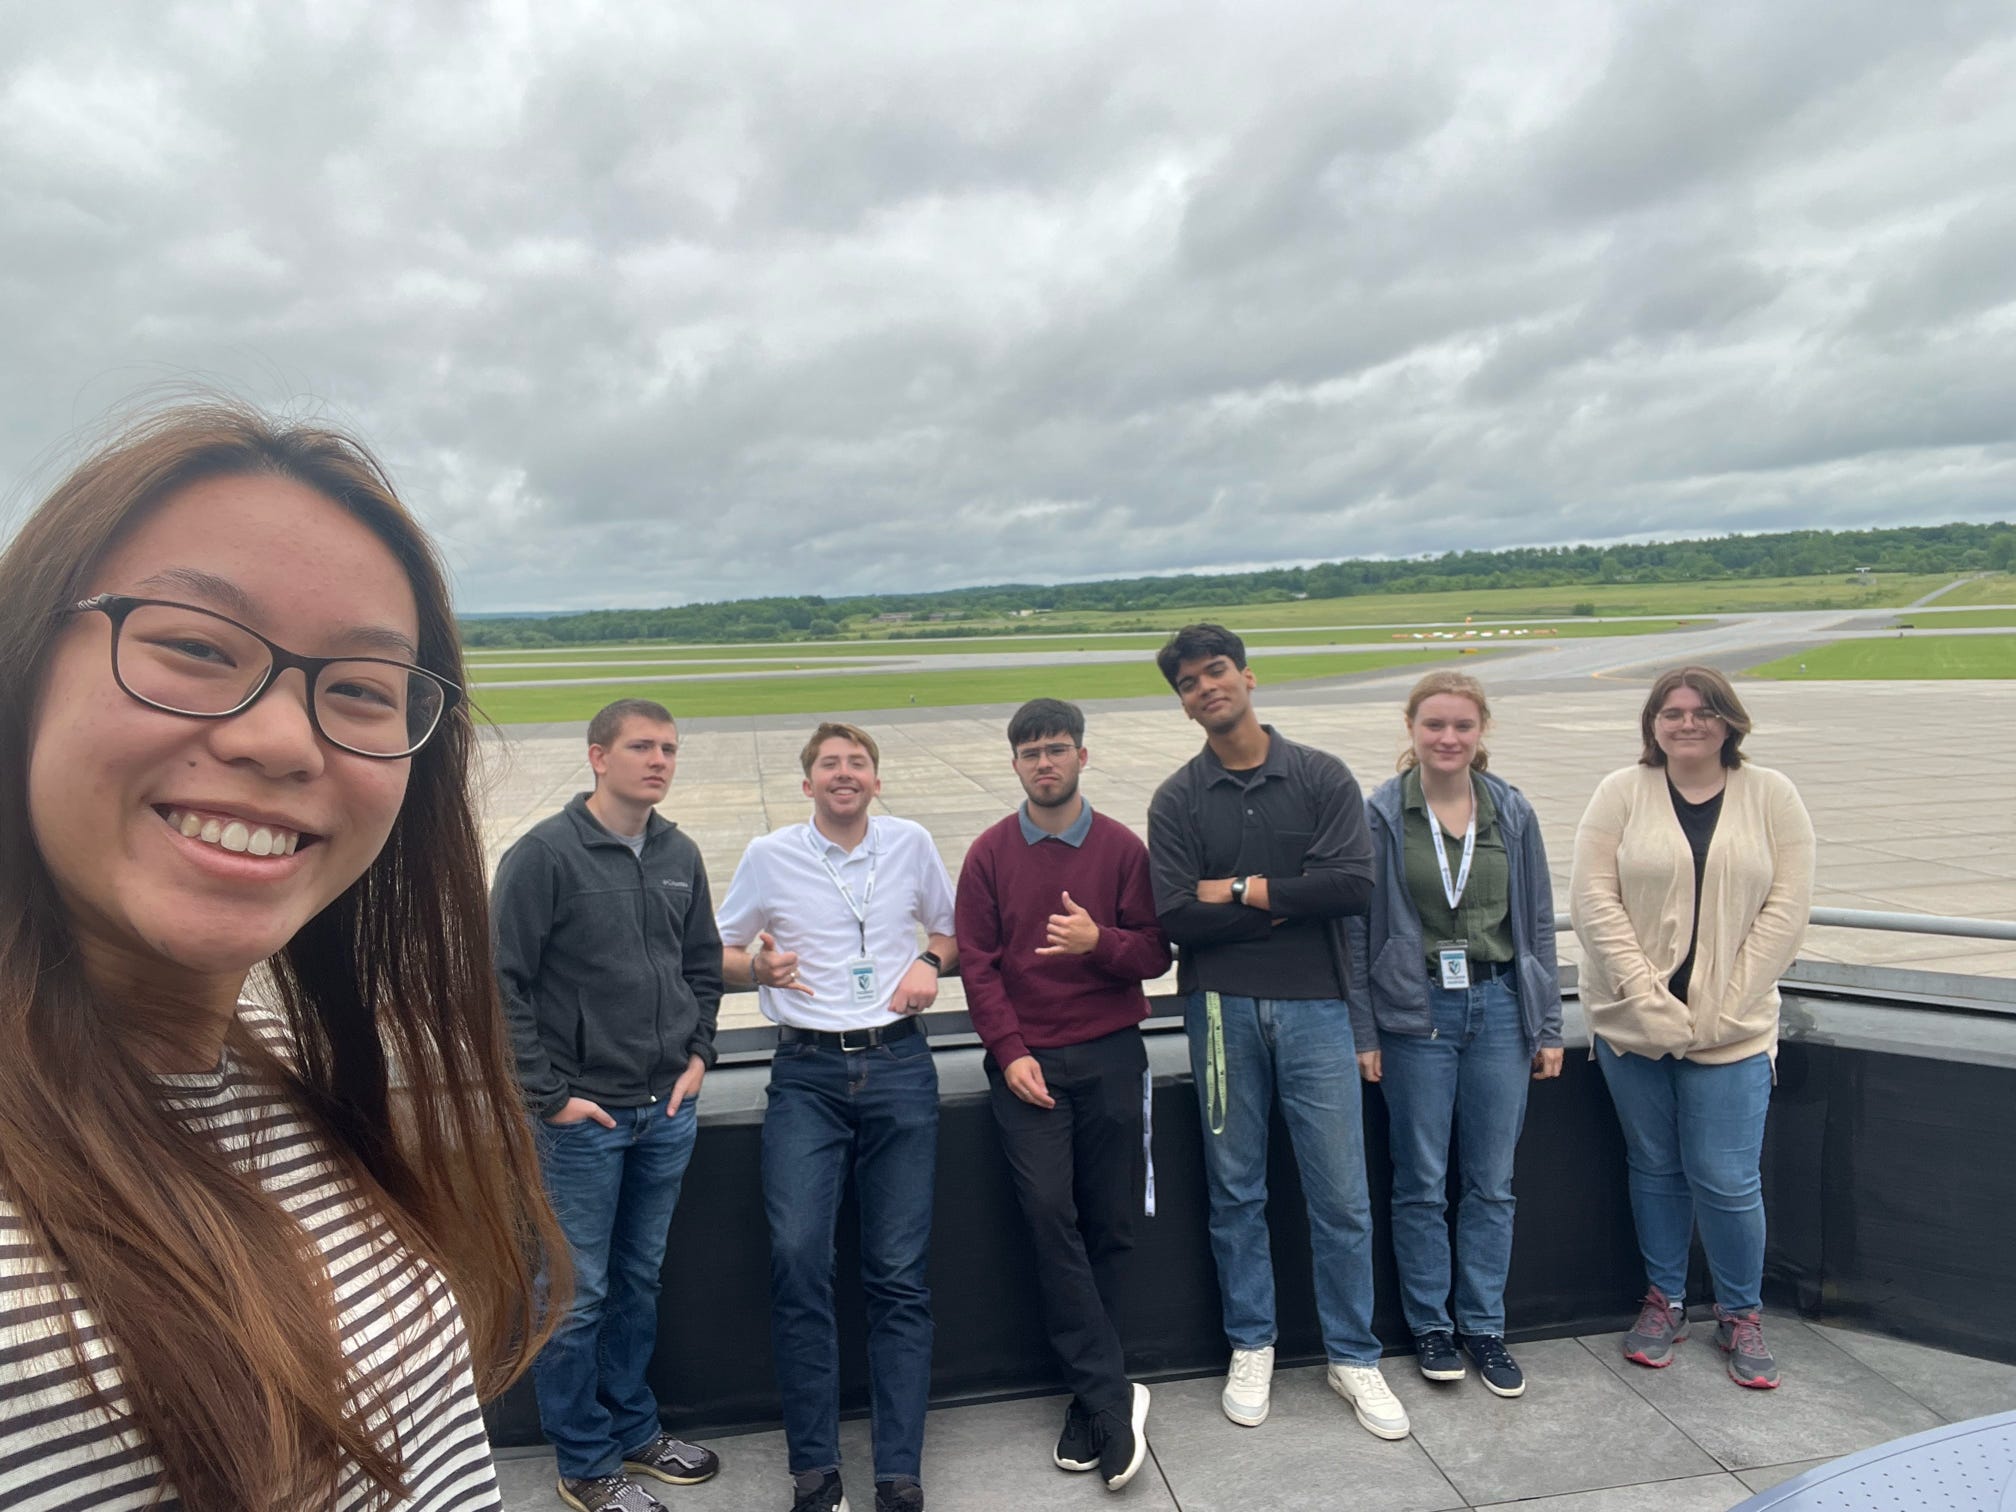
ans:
x=1693 y=876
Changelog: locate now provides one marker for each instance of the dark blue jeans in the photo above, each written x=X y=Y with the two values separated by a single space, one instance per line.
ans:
x=875 y=1111
x=1472 y=1070
x=613 y=1191
x=1694 y=1139
x=1298 y=1050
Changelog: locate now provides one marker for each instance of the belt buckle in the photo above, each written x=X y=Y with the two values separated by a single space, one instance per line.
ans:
x=867 y=1041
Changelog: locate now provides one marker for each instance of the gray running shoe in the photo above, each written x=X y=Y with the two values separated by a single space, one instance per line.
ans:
x=1660 y=1326
x=1740 y=1336
x=673 y=1461
x=607 y=1493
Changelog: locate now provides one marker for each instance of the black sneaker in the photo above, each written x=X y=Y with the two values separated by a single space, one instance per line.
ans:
x=673 y=1461
x=899 y=1496
x=817 y=1491
x=1435 y=1352
x=1500 y=1371
x=1123 y=1441
x=1077 y=1448
x=608 y=1493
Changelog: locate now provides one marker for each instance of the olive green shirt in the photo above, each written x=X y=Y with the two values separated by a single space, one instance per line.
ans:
x=1482 y=919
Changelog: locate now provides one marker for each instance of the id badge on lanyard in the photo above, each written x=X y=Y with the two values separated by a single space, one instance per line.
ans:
x=863 y=987
x=1453 y=956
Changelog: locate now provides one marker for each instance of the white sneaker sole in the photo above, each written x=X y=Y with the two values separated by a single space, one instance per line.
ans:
x=1444 y=1375
x=1138 y=1420
x=1371 y=1425
x=1243 y=1419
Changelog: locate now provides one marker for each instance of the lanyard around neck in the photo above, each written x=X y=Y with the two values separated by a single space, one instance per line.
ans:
x=860 y=909
x=1452 y=889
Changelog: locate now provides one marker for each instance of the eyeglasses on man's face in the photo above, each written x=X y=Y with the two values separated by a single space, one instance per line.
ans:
x=194 y=662
x=1674 y=718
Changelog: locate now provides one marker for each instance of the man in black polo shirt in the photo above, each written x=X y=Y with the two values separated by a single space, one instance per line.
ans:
x=1260 y=849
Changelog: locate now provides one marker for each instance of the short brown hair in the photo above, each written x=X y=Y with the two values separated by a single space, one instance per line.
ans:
x=833 y=729
x=1462 y=685
x=1716 y=695
x=608 y=722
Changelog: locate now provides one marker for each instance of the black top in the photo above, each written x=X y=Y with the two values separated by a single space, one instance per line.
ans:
x=1697 y=822
x=1297 y=819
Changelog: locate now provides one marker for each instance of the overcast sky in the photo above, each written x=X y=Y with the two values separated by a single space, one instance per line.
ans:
x=652 y=303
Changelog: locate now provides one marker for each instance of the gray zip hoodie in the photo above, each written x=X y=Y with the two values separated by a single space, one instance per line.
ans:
x=609 y=961
x=1388 y=958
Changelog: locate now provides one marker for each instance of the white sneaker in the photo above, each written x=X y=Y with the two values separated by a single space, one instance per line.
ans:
x=1248 y=1385
x=1379 y=1411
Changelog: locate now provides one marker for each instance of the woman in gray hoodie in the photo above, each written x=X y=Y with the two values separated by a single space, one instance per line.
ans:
x=1456 y=960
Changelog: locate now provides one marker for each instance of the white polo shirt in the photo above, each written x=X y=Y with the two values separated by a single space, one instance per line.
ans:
x=783 y=886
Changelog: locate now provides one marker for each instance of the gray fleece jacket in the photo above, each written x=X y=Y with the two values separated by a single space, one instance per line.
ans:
x=609 y=961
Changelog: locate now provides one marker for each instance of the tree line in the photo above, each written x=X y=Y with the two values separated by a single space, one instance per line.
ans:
x=1792 y=553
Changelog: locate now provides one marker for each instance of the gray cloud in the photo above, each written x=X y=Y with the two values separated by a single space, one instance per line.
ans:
x=648 y=304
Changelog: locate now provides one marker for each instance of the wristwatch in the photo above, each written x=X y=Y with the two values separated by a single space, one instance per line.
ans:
x=1239 y=889
x=930 y=958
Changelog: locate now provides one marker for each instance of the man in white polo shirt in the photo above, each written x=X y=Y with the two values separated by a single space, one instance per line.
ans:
x=823 y=919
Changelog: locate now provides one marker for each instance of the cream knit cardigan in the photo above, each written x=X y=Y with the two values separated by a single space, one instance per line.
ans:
x=1632 y=900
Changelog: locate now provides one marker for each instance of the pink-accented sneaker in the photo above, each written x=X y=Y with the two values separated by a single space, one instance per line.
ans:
x=1740 y=1336
x=1660 y=1326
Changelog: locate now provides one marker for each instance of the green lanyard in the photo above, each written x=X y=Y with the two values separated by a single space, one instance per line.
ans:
x=1216 y=1088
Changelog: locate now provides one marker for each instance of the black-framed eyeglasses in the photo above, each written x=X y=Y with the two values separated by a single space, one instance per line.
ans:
x=197 y=663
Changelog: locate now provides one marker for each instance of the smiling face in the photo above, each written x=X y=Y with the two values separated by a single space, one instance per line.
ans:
x=1215 y=691
x=149 y=822
x=1687 y=730
x=1445 y=730
x=637 y=766
x=842 y=781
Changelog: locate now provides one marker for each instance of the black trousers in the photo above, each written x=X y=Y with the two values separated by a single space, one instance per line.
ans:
x=1079 y=1170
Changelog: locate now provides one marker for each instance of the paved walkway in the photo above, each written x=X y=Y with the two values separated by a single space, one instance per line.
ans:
x=1592 y=1434
x=1912 y=786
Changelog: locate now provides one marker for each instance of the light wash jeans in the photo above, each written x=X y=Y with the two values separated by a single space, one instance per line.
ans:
x=1694 y=1137
x=1298 y=1050
x=1474 y=1070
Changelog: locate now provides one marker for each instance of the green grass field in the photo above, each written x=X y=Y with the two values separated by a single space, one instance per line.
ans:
x=1963 y=619
x=1995 y=588
x=891 y=690
x=1910 y=659
x=491 y=667
x=1716 y=596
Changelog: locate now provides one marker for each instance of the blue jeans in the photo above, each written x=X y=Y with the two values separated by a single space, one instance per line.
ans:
x=1472 y=1069
x=1299 y=1050
x=876 y=1111
x=1694 y=1137
x=613 y=1191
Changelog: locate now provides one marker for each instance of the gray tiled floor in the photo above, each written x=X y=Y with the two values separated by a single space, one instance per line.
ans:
x=1592 y=1434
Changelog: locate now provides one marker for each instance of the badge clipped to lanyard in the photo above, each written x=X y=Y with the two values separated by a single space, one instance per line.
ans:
x=1453 y=956
x=862 y=985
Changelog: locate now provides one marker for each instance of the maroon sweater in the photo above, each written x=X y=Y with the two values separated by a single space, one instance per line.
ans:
x=1008 y=890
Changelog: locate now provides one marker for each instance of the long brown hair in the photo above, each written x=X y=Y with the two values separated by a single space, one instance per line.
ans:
x=1718 y=697
x=231 y=1363
x=1463 y=685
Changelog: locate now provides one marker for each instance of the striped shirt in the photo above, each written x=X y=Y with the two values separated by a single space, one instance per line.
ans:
x=396 y=1312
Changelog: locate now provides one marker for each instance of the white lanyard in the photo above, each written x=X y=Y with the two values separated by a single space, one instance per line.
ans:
x=859 y=910
x=1453 y=891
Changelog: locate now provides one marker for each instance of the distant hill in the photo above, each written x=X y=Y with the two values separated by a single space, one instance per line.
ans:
x=1795 y=553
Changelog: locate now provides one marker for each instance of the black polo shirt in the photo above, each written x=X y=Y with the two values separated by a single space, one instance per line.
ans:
x=1297 y=819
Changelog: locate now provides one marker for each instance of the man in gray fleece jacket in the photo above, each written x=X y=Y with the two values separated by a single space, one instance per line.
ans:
x=611 y=972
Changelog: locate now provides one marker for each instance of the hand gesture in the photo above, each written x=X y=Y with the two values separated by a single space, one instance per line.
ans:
x=1072 y=932
x=776 y=968
x=1025 y=1080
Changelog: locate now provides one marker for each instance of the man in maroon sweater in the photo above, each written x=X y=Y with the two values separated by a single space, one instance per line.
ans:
x=1057 y=932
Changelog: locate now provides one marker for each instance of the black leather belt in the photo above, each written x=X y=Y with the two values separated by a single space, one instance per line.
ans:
x=849 y=1039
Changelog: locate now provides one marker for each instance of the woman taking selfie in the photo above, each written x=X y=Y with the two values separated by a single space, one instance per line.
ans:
x=250 y=1259
x=1693 y=879
x=1456 y=959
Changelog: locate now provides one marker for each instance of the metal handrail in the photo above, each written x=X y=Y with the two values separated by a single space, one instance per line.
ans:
x=1897 y=922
